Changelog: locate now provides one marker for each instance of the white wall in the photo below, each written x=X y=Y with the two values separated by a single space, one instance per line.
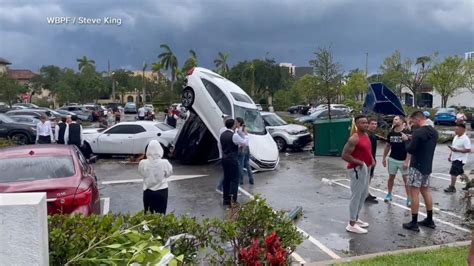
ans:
x=463 y=97
x=23 y=229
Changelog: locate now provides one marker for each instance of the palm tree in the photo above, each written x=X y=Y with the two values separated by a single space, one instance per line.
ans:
x=169 y=61
x=221 y=64
x=85 y=62
x=156 y=68
x=422 y=60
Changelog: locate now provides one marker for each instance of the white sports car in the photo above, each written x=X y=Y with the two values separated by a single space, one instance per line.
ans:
x=129 y=137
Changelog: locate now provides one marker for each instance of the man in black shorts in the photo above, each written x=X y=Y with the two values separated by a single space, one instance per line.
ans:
x=420 y=151
x=460 y=150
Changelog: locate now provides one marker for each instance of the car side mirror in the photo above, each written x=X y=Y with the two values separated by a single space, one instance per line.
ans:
x=159 y=134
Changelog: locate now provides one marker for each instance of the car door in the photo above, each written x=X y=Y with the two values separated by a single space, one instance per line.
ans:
x=118 y=139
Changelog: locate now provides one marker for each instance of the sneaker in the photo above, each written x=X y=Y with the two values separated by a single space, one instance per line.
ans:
x=450 y=189
x=356 y=229
x=370 y=199
x=219 y=191
x=411 y=226
x=427 y=223
x=362 y=224
x=388 y=197
x=408 y=202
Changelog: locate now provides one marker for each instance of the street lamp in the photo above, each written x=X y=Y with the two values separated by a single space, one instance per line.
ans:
x=113 y=87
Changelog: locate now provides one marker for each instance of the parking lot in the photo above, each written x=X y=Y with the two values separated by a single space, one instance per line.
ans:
x=319 y=185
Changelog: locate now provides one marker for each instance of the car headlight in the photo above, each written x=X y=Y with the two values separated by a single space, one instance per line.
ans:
x=292 y=132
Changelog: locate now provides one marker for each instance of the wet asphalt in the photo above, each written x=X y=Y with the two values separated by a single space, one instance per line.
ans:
x=299 y=182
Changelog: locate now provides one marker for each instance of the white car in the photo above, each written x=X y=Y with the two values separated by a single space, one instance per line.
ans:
x=286 y=135
x=128 y=137
x=211 y=96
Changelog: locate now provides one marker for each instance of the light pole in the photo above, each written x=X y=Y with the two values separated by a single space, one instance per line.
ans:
x=143 y=81
x=113 y=87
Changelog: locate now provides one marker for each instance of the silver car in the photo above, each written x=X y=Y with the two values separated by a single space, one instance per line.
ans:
x=286 y=135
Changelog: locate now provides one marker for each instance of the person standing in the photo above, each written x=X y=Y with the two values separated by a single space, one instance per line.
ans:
x=461 y=117
x=75 y=136
x=110 y=118
x=141 y=113
x=61 y=132
x=398 y=155
x=373 y=144
x=421 y=150
x=117 y=115
x=220 y=186
x=460 y=150
x=44 y=132
x=155 y=172
x=244 y=154
x=230 y=141
x=357 y=152
x=429 y=122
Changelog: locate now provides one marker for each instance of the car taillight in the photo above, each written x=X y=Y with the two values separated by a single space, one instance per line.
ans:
x=67 y=203
x=190 y=72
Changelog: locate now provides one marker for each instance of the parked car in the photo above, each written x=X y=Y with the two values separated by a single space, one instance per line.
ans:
x=25 y=105
x=65 y=113
x=82 y=113
x=130 y=108
x=25 y=119
x=445 y=116
x=18 y=132
x=259 y=107
x=128 y=137
x=286 y=135
x=210 y=96
x=299 y=109
x=36 y=113
x=333 y=106
x=323 y=114
x=61 y=171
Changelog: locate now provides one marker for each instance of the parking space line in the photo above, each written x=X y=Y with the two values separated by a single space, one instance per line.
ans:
x=421 y=204
x=170 y=179
x=313 y=240
x=106 y=208
x=435 y=175
x=460 y=228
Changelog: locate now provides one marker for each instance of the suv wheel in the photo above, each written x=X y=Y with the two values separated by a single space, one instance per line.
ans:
x=187 y=97
x=20 y=138
x=281 y=144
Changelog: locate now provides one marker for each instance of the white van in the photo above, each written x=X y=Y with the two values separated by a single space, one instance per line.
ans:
x=211 y=96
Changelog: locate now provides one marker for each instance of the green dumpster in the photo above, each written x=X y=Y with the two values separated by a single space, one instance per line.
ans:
x=330 y=136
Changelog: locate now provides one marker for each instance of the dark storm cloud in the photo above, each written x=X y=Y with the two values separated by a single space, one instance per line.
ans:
x=288 y=31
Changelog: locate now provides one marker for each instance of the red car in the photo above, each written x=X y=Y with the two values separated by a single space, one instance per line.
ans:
x=59 y=170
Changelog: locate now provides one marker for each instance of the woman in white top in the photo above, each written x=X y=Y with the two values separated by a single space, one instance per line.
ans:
x=155 y=171
x=44 y=132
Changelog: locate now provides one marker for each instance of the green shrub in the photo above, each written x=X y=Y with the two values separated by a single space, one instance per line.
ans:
x=5 y=143
x=140 y=238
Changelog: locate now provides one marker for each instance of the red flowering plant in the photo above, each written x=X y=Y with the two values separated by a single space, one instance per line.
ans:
x=270 y=252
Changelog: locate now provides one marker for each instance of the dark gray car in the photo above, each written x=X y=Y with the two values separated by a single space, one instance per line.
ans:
x=18 y=132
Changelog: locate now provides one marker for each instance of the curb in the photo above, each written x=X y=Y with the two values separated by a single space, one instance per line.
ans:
x=396 y=252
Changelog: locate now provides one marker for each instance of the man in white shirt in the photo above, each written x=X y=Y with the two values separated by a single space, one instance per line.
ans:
x=44 y=132
x=141 y=113
x=458 y=157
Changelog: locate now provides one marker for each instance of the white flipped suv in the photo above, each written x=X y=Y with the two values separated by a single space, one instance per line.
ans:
x=209 y=97
x=128 y=138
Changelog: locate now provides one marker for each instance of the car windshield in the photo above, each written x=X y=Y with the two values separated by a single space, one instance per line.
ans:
x=6 y=119
x=253 y=119
x=36 y=168
x=274 y=120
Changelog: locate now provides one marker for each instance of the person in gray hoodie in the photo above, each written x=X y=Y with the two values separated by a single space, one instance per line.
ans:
x=155 y=172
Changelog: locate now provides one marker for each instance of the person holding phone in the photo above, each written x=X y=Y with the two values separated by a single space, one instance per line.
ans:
x=460 y=150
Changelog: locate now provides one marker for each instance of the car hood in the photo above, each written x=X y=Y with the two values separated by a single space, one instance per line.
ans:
x=289 y=127
x=263 y=147
x=92 y=130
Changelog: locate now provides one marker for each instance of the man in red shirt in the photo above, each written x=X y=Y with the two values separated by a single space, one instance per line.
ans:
x=358 y=153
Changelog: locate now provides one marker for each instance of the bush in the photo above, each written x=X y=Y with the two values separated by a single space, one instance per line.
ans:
x=140 y=238
x=5 y=143
x=354 y=105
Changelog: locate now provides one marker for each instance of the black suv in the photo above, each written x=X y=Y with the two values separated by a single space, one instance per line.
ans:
x=19 y=133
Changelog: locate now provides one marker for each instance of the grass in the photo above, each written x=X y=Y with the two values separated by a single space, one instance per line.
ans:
x=455 y=256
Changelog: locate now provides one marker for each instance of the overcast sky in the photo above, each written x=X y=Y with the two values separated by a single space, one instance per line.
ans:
x=286 y=30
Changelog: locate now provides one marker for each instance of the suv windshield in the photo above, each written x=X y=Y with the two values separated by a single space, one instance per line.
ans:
x=37 y=168
x=274 y=120
x=253 y=119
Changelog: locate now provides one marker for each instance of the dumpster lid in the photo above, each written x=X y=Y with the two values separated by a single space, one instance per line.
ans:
x=338 y=120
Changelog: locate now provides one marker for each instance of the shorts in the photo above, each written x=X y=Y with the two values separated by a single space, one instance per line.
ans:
x=456 y=168
x=394 y=166
x=417 y=179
